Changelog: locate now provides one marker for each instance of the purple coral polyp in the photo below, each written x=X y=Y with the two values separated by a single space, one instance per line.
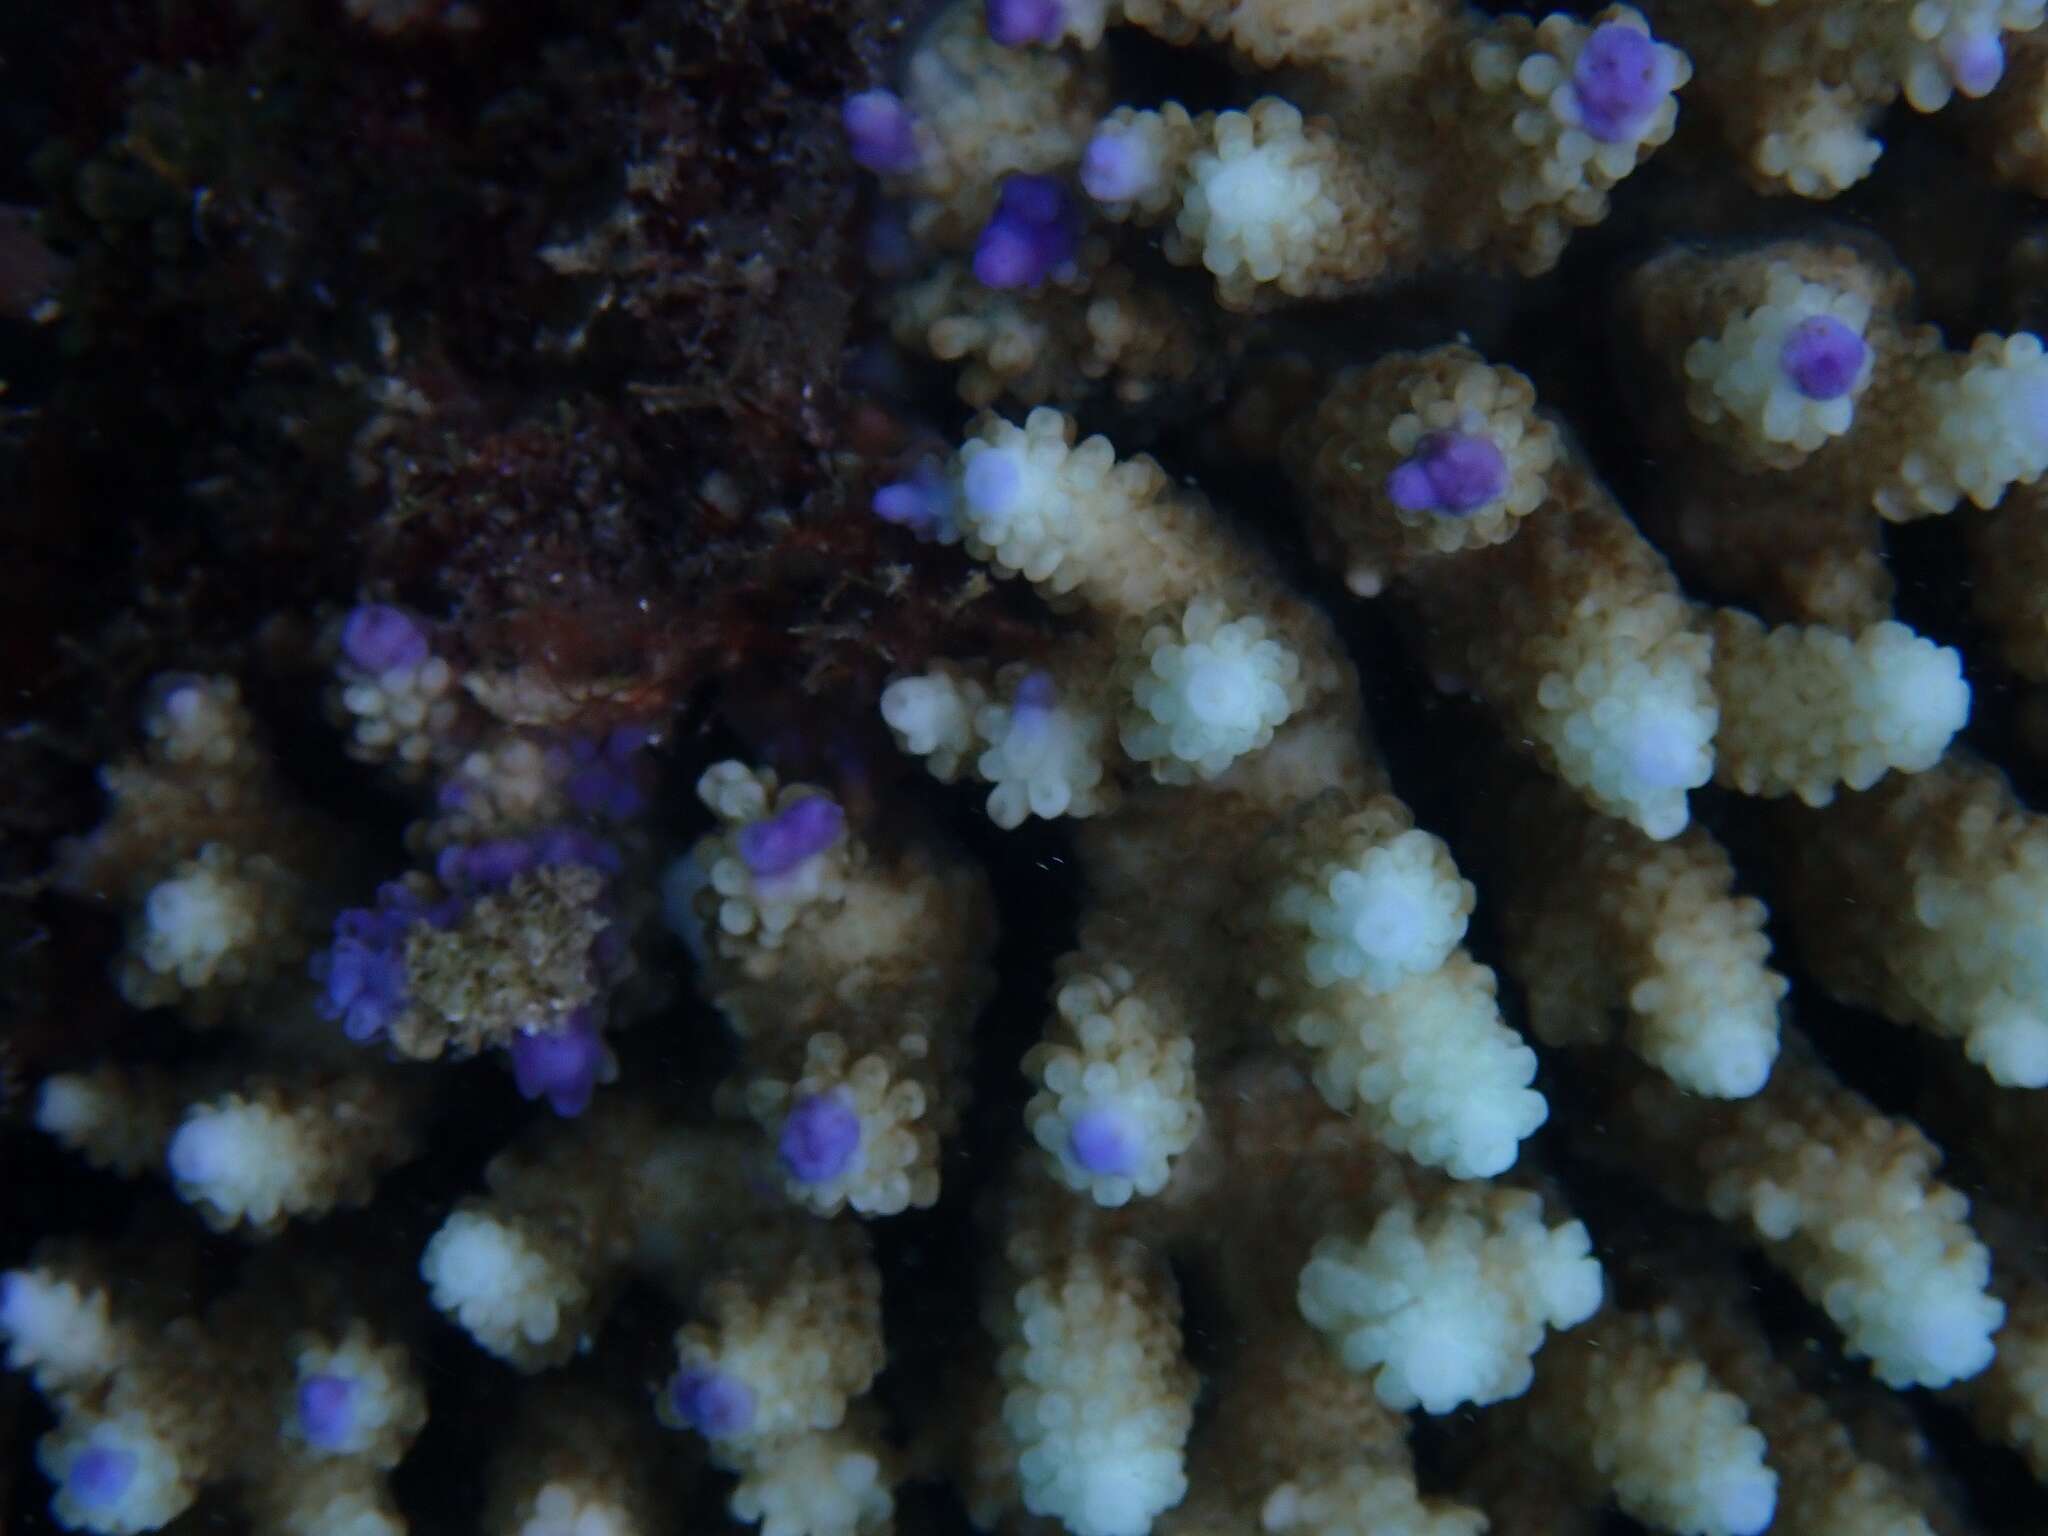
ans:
x=1115 y=167
x=1974 y=61
x=362 y=974
x=1029 y=237
x=495 y=863
x=1100 y=1142
x=819 y=1138
x=777 y=844
x=1020 y=23
x=603 y=790
x=327 y=1410
x=488 y=865
x=903 y=503
x=923 y=503
x=1618 y=81
x=604 y=778
x=1822 y=357
x=1450 y=472
x=1037 y=694
x=714 y=1404
x=562 y=1066
x=881 y=134
x=101 y=1475
x=379 y=638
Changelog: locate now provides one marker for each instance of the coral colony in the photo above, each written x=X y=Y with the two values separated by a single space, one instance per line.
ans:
x=1294 y=1056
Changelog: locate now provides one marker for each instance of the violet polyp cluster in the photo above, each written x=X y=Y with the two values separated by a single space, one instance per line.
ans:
x=881 y=133
x=819 y=1139
x=1822 y=357
x=604 y=776
x=1115 y=167
x=379 y=638
x=922 y=504
x=1101 y=1142
x=100 y=1476
x=714 y=1404
x=1020 y=23
x=362 y=974
x=783 y=842
x=562 y=1066
x=493 y=865
x=1449 y=472
x=1618 y=79
x=1031 y=235
x=327 y=1408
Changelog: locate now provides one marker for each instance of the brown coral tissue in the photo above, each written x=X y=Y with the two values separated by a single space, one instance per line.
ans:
x=1055 y=767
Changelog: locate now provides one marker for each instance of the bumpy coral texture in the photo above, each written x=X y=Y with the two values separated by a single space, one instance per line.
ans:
x=1427 y=814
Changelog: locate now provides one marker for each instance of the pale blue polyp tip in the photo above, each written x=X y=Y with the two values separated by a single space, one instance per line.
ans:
x=327 y=1412
x=990 y=483
x=1100 y=1143
x=101 y=1475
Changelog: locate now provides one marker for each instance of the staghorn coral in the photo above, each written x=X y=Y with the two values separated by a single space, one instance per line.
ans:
x=1375 y=902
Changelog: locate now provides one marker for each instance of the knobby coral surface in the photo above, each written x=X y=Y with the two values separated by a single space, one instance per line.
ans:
x=1077 y=765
